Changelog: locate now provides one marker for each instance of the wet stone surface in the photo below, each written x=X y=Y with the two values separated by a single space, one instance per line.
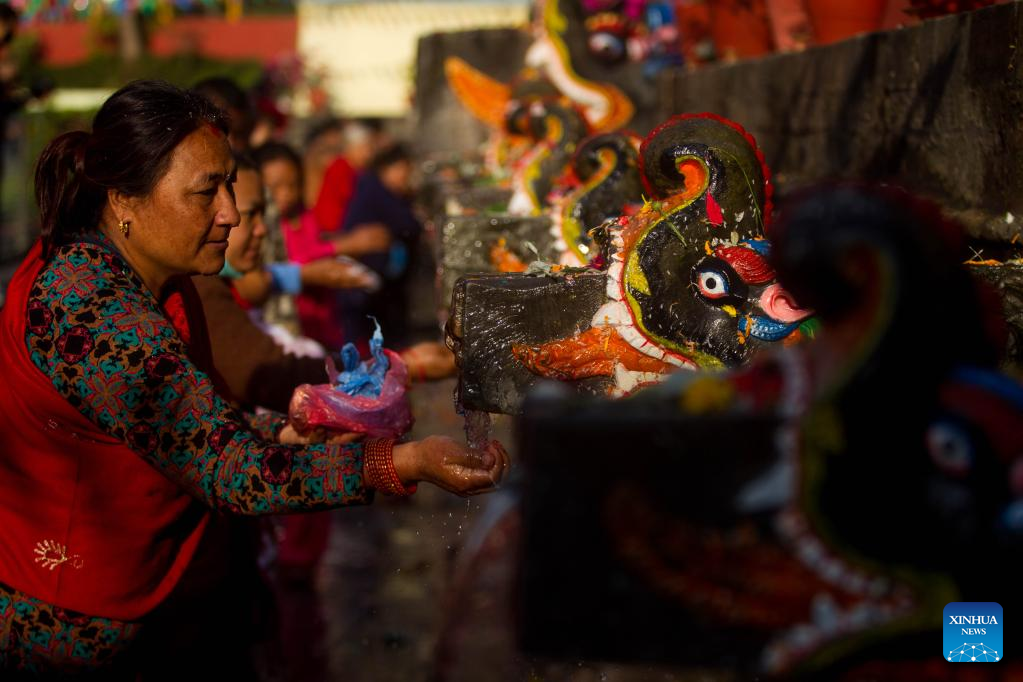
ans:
x=466 y=242
x=377 y=607
x=491 y=313
x=422 y=590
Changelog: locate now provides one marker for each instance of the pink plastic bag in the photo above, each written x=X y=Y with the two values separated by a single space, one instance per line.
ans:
x=323 y=406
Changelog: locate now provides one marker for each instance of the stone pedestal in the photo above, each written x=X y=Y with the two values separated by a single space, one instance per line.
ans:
x=491 y=312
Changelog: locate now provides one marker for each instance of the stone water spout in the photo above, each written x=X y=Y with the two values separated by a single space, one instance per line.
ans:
x=688 y=284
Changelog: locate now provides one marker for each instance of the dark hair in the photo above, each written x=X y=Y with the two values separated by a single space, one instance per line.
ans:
x=390 y=155
x=277 y=151
x=224 y=92
x=244 y=161
x=374 y=123
x=321 y=128
x=235 y=104
x=128 y=150
x=8 y=19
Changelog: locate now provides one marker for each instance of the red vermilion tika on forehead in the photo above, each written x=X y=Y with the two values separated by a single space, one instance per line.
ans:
x=214 y=129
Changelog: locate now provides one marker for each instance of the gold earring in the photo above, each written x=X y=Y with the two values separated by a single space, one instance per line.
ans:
x=124 y=226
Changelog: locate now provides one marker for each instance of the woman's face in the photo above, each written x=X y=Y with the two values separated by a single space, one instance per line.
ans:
x=282 y=180
x=182 y=226
x=243 y=245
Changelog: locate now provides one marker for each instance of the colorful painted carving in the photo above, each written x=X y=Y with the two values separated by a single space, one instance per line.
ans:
x=945 y=521
x=605 y=106
x=635 y=30
x=688 y=281
x=606 y=171
x=557 y=127
x=547 y=73
x=503 y=107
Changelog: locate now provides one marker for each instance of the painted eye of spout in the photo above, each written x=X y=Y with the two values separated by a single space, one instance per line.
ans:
x=712 y=284
x=950 y=448
x=717 y=283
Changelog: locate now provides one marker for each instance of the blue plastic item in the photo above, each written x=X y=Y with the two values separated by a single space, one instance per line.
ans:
x=360 y=378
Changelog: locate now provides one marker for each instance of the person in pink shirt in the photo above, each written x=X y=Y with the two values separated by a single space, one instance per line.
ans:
x=318 y=316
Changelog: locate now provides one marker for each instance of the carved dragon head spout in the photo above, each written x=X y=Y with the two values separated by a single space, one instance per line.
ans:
x=689 y=284
x=607 y=170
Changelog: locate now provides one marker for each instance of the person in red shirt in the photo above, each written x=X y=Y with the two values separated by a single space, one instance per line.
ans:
x=339 y=179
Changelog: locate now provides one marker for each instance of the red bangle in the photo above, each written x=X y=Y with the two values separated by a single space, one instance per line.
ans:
x=378 y=466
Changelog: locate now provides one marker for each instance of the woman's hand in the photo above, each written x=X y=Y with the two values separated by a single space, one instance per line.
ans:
x=254 y=286
x=450 y=465
x=331 y=274
x=289 y=436
x=429 y=360
x=362 y=240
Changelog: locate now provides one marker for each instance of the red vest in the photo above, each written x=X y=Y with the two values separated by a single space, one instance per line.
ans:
x=85 y=523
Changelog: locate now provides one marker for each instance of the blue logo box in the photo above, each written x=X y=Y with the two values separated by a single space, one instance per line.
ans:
x=972 y=632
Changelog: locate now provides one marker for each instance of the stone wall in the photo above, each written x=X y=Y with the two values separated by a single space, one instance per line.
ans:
x=935 y=107
x=443 y=125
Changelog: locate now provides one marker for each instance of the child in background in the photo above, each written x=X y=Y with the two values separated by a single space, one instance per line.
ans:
x=383 y=199
x=318 y=312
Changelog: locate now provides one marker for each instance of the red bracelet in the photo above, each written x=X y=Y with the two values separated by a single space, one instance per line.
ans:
x=378 y=466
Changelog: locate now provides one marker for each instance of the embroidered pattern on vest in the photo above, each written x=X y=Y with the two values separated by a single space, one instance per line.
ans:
x=52 y=554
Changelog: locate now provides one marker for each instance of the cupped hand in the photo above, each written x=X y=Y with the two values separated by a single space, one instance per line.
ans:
x=450 y=465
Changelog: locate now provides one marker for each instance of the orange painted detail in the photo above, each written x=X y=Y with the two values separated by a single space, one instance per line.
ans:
x=594 y=353
x=482 y=95
x=620 y=112
x=650 y=214
x=732 y=576
x=504 y=260
x=696 y=175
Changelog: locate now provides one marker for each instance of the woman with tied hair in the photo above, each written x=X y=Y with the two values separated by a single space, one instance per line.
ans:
x=121 y=451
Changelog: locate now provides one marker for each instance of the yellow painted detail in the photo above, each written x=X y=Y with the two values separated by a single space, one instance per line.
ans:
x=571 y=229
x=634 y=276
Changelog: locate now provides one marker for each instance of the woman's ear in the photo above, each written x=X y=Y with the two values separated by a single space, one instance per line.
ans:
x=122 y=205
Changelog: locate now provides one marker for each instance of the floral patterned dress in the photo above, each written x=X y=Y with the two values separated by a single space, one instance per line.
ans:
x=109 y=349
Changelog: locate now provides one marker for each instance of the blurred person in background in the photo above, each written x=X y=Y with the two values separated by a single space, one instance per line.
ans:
x=322 y=144
x=229 y=97
x=14 y=92
x=359 y=143
x=261 y=368
x=382 y=203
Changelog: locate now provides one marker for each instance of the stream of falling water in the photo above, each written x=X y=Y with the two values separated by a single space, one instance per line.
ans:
x=477 y=429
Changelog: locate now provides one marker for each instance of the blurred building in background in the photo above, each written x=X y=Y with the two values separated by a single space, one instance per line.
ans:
x=367 y=50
